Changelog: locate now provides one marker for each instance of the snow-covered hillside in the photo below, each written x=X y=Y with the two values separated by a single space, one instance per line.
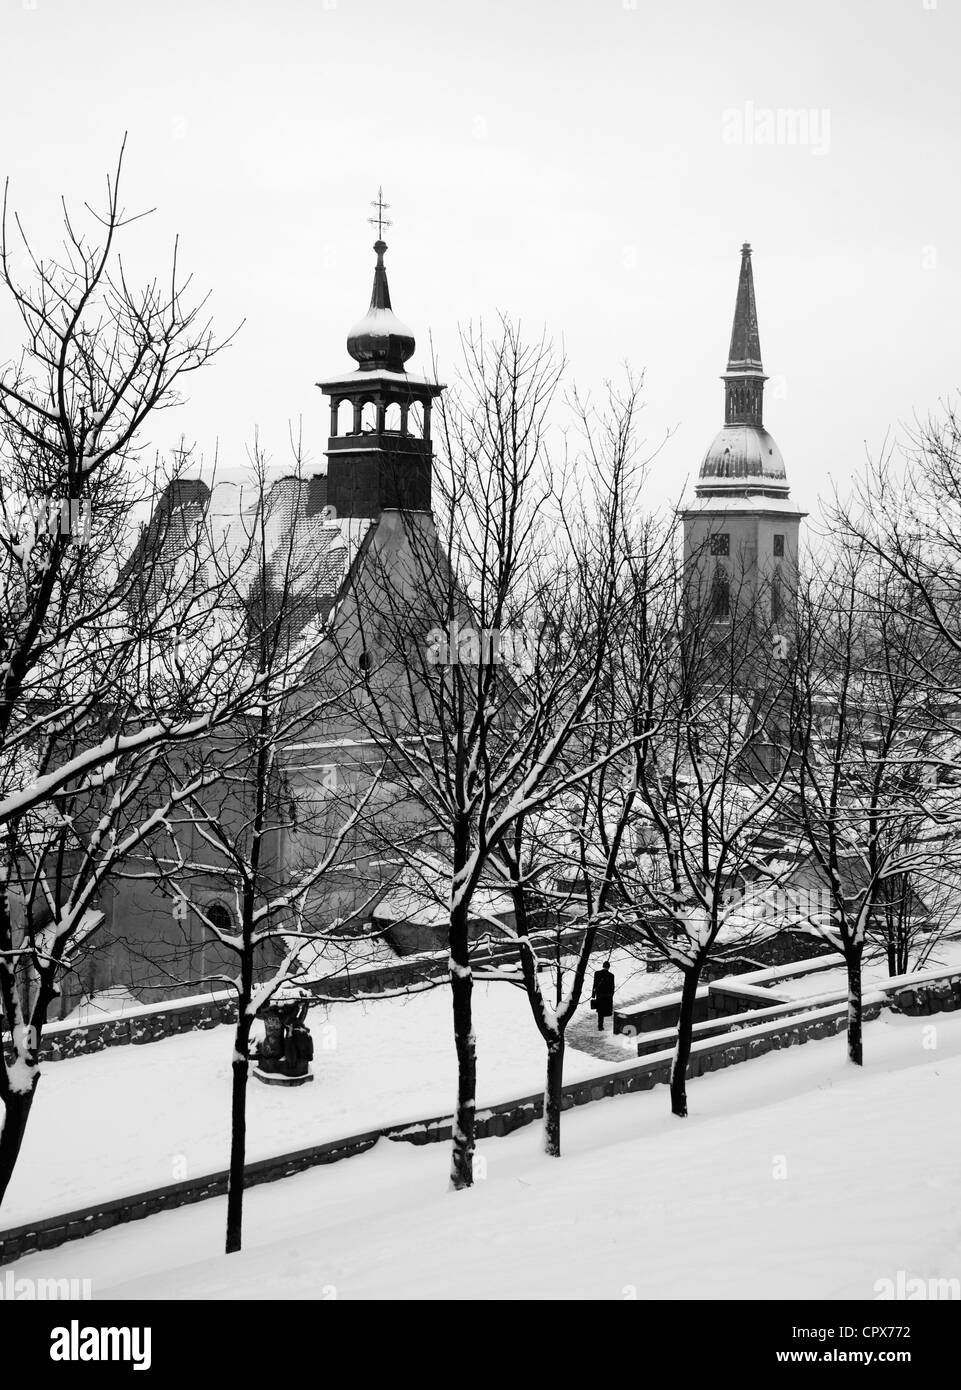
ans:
x=140 y=1117
x=796 y=1176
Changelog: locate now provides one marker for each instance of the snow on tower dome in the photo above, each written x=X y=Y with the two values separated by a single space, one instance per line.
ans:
x=380 y=340
x=740 y=452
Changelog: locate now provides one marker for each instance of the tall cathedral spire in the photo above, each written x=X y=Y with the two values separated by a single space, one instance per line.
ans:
x=743 y=457
x=745 y=353
x=744 y=378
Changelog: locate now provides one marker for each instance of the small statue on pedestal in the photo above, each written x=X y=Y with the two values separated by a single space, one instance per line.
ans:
x=287 y=1050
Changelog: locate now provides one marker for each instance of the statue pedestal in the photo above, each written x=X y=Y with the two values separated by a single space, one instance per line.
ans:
x=279 y=1078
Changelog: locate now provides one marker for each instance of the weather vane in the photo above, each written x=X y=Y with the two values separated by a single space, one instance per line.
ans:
x=380 y=221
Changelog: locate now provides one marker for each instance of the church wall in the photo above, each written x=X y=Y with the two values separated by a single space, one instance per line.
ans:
x=149 y=943
x=328 y=770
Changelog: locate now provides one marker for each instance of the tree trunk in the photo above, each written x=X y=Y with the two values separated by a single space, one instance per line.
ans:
x=855 y=1012
x=462 y=1153
x=552 y=1096
x=904 y=934
x=238 y=1132
x=462 y=989
x=241 y=1061
x=16 y=1113
x=682 y=1051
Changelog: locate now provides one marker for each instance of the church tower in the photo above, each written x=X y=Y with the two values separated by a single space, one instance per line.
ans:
x=379 y=453
x=741 y=528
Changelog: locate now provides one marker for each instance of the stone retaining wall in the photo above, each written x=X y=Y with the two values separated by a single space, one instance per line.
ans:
x=728 y=995
x=152 y=1022
x=726 y=999
x=61 y=1040
x=52 y=1231
x=935 y=997
x=716 y=1026
x=712 y=1001
x=661 y=1012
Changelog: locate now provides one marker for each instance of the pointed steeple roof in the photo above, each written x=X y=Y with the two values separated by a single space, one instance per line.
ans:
x=745 y=352
x=380 y=294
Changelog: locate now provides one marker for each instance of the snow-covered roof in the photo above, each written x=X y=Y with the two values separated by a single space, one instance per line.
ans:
x=421 y=893
x=306 y=548
x=380 y=377
x=740 y=500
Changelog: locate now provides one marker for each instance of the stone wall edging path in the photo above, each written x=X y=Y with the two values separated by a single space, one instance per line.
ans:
x=153 y=1022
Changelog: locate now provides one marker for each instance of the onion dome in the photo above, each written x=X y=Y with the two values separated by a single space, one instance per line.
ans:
x=380 y=340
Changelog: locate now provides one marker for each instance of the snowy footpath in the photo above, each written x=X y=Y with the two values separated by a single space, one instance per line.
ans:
x=796 y=1176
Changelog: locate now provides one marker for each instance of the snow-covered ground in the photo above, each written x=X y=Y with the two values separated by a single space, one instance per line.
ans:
x=796 y=1176
x=140 y=1117
x=118 y=1122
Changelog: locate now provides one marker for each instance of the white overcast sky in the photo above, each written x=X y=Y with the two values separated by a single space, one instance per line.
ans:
x=567 y=161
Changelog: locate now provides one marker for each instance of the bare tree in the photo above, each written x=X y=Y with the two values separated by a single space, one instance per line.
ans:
x=467 y=695
x=683 y=824
x=278 y=905
x=104 y=665
x=906 y=515
x=906 y=512
x=599 y=597
x=248 y=815
x=867 y=806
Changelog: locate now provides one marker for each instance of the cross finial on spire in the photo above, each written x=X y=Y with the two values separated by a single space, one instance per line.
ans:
x=380 y=221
